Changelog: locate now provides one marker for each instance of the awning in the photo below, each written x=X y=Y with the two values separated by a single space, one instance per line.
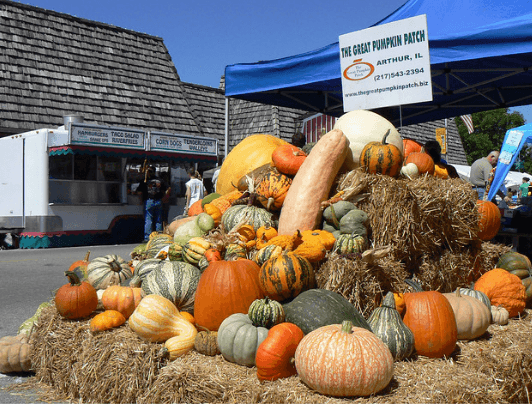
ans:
x=117 y=152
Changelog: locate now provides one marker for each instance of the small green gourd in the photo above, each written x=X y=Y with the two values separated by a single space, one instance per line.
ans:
x=386 y=323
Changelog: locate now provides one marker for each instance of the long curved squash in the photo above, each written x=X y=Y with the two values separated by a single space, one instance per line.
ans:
x=312 y=184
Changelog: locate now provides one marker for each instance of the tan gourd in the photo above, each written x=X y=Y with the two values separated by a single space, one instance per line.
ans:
x=312 y=183
x=15 y=354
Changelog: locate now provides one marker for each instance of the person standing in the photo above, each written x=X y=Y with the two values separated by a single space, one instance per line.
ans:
x=152 y=189
x=195 y=189
x=480 y=173
x=523 y=189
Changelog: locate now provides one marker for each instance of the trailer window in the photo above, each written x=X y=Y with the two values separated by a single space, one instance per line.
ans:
x=61 y=167
x=84 y=167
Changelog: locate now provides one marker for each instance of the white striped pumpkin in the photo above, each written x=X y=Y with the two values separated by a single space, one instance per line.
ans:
x=175 y=280
x=143 y=269
x=108 y=270
x=156 y=319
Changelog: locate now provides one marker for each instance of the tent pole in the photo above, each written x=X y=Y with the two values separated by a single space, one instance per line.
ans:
x=226 y=132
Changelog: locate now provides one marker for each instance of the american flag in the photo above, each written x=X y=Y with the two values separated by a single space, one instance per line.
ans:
x=468 y=122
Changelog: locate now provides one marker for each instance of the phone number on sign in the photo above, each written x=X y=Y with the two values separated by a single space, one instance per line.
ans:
x=400 y=73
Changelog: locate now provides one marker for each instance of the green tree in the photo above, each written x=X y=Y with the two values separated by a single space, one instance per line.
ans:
x=490 y=129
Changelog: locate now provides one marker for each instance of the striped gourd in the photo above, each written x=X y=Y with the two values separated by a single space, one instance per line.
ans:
x=175 y=252
x=143 y=269
x=265 y=253
x=381 y=158
x=234 y=251
x=195 y=249
x=177 y=281
x=266 y=312
x=156 y=243
x=386 y=323
x=203 y=263
x=108 y=270
x=477 y=294
x=286 y=276
x=244 y=214
x=350 y=244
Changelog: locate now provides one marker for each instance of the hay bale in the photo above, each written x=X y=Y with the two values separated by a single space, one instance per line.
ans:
x=117 y=367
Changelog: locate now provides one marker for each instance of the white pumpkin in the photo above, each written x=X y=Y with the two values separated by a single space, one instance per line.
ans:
x=362 y=127
x=410 y=171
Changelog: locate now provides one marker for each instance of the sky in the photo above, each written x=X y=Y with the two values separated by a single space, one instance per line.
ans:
x=204 y=36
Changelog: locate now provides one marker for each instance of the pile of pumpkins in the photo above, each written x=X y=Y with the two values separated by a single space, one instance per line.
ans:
x=236 y=277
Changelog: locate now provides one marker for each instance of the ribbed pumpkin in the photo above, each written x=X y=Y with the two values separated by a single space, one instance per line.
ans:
x=411 y=146
x=322 y=236
x=423 y=161
x=238 y=339
x=111 y=269
x=499 y=315
x=195 y=209
x=142 y=270
x=316 y=308
x=288 y=158
x=235 y=251
x=195 y=249
x=286 y=276
x=341 y=361
x=122 y=298
x=265 y=253
x=76 y=299
x=156 y=319
x=225 y=288
x=266 y=312
x=249 y=154
x=472 y=316
x=515 y=263
x=176 y=281
x=274 y=357
x=247 y=214
x=503 y=289
x=15 y=354
x=477 y=294
x=272 y=190
x=206 y=342
x=350 y=244
x=386 y=323
x=381 y=158
x=489 y=220
x=156 y=242
x=430 y=316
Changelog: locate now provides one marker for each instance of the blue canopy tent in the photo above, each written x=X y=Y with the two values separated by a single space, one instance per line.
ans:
x=480 y=53
x=514 y=140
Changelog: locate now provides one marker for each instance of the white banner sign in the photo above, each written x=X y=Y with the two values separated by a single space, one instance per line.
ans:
x=183 y=144
x=386 y=65
x=94 y=135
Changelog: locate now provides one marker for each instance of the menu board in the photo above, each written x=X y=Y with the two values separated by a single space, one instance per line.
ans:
x=173 y=143
x=95 y=135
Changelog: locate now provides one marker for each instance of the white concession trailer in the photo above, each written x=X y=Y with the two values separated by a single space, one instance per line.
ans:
x=75 y=185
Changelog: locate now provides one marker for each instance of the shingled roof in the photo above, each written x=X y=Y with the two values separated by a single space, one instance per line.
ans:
x=53 y=64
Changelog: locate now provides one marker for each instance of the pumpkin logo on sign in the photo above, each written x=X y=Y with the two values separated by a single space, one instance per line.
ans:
x=359 y=70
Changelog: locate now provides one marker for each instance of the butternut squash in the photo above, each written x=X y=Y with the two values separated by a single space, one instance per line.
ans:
x=312 y=184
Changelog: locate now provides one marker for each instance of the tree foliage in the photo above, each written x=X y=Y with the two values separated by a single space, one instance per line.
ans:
x=490 y=129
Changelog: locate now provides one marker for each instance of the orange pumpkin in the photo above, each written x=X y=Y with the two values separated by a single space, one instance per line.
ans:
x=272 y=190
x=106 y=320
x=489 y=221
x=288 y=158
x=77 y=299
x=247 y=232
x=274 y=356
x=214 y=212
x=225 y=288
x=80 y=267
x=411 y=146
x=381 y=158
x=423 y=161
x=264 y=234
x=503 y=289
x=224 y=202
x=250 y=153
x=195 y=208
x=124 y=299
x=430 y=316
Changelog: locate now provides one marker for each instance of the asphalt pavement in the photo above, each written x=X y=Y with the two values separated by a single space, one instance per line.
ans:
x=28 y=278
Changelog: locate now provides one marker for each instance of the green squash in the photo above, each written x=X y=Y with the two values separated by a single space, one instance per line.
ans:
x=175 y=252
x=355 y=221
x=387 y=324
x=195 y=228
x=266 y=312
x=27 y=326
x=238 y=339
x=350 y=244
x=177 y=281
x=333 y=213
x=209 y=198
x=477 y=294
x=265 y=253
x=108 y=270
x=316 y=308
x=515 y=263
x=142 y=270
x=244 y=214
